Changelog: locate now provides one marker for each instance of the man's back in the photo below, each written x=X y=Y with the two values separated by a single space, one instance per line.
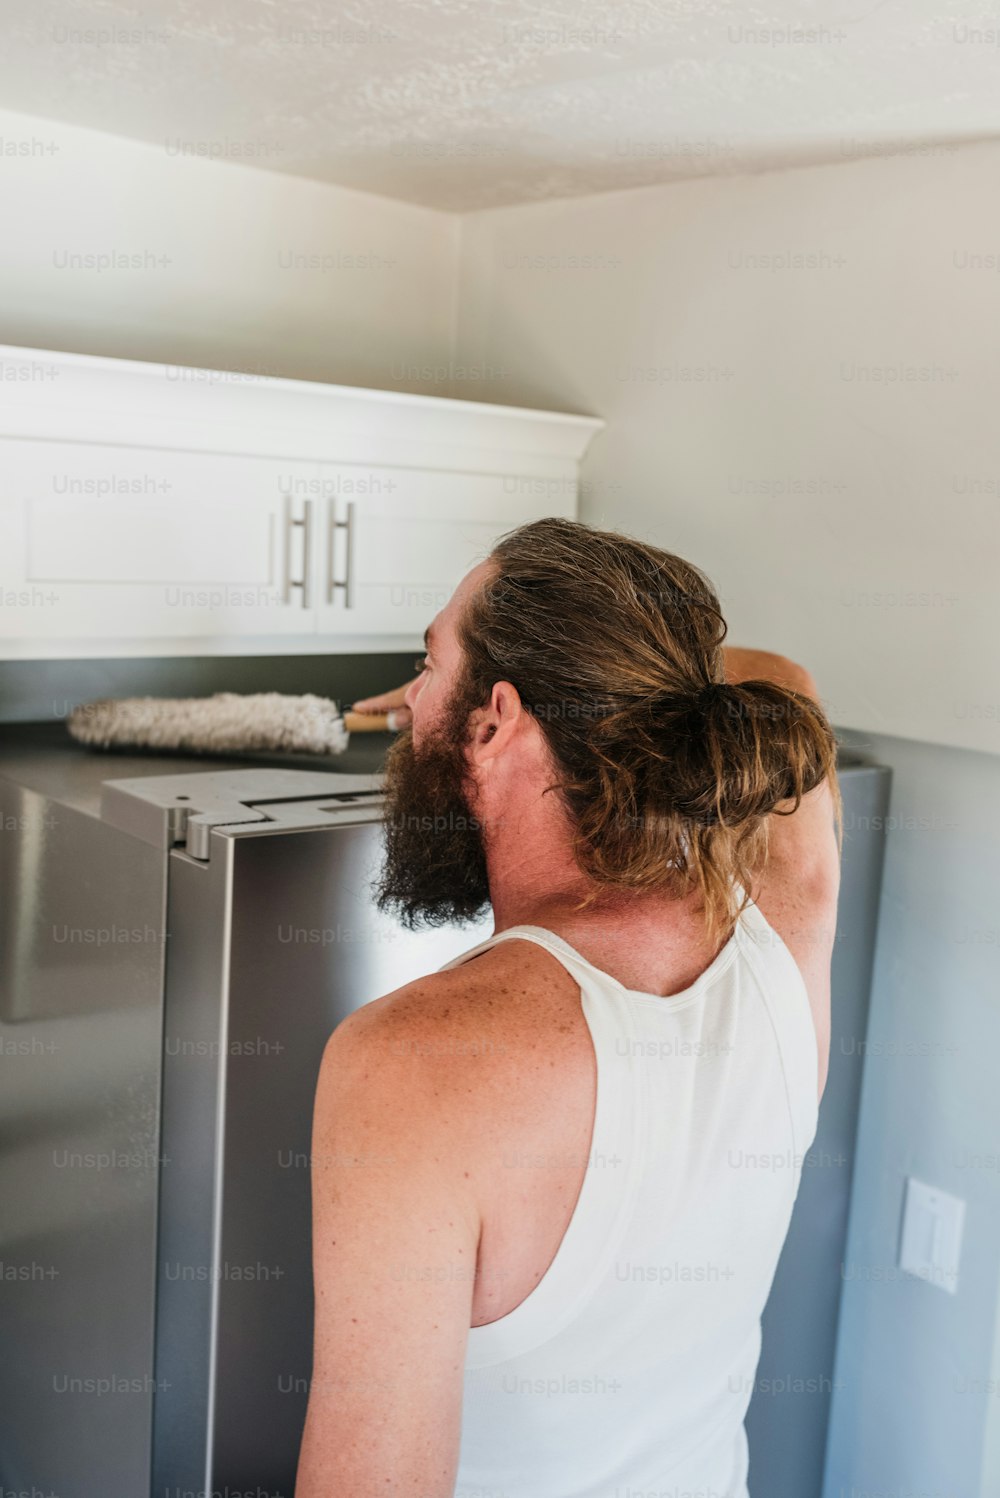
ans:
x=627 y=1249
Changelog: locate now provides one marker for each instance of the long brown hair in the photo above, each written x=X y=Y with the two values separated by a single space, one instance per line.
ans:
x=667 y=772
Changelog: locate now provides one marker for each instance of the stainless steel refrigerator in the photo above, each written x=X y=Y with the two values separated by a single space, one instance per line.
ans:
x=178 y=939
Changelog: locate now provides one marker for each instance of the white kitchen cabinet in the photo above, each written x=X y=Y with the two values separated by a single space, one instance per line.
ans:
x=114 y=543
x=396 y=541
x=151 y=510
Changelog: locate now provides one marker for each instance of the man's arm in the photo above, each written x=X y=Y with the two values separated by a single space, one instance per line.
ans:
x=798 y=888
x=395 y=1243
x=805 y=842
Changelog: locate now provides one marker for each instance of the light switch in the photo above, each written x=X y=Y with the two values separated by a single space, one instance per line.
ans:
x=932 y=1234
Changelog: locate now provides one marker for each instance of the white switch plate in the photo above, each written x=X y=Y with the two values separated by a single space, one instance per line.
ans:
x=932 y=1234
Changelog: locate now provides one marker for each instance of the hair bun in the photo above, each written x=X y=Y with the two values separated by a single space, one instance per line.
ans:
x=707 y=695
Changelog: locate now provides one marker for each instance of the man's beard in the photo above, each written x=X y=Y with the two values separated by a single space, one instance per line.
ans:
x=435 y=860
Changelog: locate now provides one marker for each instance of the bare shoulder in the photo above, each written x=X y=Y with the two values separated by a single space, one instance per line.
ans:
x=414 y=1046
x=452 y=1040
x=492 y=990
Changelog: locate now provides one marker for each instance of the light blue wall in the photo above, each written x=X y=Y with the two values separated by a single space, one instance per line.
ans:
x=913 y=1415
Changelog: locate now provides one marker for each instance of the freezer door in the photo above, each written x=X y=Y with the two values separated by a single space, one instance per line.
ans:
x=81 y=990
x=273 y=941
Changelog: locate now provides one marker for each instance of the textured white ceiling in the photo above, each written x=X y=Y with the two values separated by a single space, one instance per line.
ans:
x=464 y=104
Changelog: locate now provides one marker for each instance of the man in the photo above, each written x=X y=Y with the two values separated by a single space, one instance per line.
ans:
x=503 y=1149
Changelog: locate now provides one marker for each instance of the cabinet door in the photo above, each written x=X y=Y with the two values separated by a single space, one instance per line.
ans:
x=396 y=541
x=115 y=543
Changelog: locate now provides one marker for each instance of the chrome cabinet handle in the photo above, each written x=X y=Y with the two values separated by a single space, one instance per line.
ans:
x=303 y=582
x=349 y=565
x=331 y=534
x=347 y=581
x=307 y=515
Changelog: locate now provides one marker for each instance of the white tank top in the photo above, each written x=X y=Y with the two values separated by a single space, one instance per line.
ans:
x=627 y=1370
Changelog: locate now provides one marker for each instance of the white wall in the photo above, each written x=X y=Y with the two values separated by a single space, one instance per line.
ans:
x=822 y=440
x=221 y=276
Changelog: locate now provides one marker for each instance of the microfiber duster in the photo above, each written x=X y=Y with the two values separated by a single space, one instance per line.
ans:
x=226 y=723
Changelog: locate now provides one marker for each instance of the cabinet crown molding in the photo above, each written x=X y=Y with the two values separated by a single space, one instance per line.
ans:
x=87 y=398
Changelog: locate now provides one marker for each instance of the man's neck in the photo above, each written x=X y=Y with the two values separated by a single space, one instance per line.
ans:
x=550 y=893
x=534 y=880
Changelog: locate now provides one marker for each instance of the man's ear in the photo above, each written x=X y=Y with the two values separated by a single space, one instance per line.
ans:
x=496 y=725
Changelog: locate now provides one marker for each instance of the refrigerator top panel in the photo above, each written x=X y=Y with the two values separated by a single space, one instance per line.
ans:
x=167 y=810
